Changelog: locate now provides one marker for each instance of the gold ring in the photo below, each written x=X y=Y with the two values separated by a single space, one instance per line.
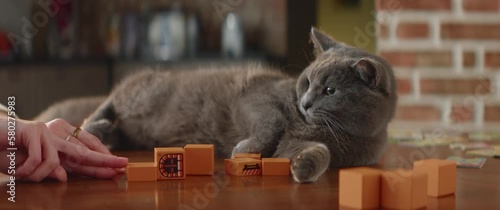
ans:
x=75 y=132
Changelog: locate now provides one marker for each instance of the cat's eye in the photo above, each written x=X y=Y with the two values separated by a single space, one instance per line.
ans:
x=329 y=91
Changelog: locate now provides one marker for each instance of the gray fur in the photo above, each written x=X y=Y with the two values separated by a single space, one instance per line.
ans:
x=256 y=109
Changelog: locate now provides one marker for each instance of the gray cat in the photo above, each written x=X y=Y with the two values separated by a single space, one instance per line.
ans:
x=334 y=115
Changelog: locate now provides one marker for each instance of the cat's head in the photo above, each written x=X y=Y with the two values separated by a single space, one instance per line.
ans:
x=346 y=87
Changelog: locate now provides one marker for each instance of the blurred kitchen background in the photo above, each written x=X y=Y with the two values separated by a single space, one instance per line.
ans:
x=446 y=54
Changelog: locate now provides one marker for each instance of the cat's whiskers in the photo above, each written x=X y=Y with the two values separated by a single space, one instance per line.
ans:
x=331 y=124
x=336 y=123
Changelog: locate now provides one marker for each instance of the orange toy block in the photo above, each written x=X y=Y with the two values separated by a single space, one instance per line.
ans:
x=243 y=166
x=403 y=189
x=359 y=188
x=199 y=159
x=141 y=171
x=170 y=162
x=441 y=175
x=275 y=166
x=247 y=155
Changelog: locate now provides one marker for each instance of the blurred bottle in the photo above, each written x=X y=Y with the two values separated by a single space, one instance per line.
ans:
x=232 y=37
x=167 y=34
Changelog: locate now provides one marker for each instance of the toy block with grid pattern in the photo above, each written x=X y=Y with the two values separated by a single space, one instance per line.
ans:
x=403 y=189
x=142 y=171
x=243 y=166
x=199 y=159
x=170 y=162
x=275 y=166
x=441 y=175
x=359 y=188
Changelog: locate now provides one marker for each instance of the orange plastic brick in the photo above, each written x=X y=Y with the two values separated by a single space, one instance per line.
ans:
x=403 y=189
x=243 y=166
x=143 y=171
x=170 y=162
x=359 y=188
x=275 y=166
x=248 y=155
x=199 y=159
x=441 y=175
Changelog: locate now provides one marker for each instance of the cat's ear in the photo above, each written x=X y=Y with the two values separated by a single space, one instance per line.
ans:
x=372 y=73
x=321 y=41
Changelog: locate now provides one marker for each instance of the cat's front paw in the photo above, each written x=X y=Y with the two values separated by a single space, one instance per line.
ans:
x=241 y=147
x=99 y=128
x=310 y=163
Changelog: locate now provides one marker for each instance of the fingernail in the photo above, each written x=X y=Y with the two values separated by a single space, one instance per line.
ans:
x=120 y=170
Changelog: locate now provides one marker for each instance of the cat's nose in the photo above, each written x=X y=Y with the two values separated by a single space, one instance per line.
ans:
x=306 y=105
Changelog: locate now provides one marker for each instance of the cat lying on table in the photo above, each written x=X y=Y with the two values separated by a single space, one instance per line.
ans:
x=334 y=114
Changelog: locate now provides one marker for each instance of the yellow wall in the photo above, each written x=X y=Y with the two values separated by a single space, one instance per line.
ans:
x=352 y=25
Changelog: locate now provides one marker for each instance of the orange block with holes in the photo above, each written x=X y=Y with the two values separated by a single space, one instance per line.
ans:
x=275 y=166
x=243 y=166
x=359 y=188
x=441 y=175
x=170 y=162
x=247 y=155
x=143 y=171
x=199 y=159
x=403 y=189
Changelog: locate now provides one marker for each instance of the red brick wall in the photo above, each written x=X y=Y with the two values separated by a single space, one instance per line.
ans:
x=446 y=57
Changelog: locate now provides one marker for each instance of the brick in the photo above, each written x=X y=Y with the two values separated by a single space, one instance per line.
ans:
x=492 y=113
x=359 y=188
x=199 y=159
x=480 y=5
x=383 y=31
x=243 y=166
x=418 y=113
x=143 y=171
x=275 y=166
x=170 y=162
x=492 y=59
x=421 y=59
x=469 y=59
x=441 y=176
x=403 y=189
x=455 y=86
x=470 y=31
x=403 y=85
x=248 y=155
x=412 y=30
x=462 y=113
x=413 y=5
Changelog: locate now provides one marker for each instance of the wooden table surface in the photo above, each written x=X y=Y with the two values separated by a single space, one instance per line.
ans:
x=476 y=189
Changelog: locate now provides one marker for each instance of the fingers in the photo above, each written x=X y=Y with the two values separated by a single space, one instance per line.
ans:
x=80 y=156
x=59 y=173
x=30 y=138
x=50 y=161
x=92 y=142
x=63 y=129
x=93 y=171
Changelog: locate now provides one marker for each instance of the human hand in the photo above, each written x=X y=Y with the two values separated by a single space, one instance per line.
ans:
x=43 y=154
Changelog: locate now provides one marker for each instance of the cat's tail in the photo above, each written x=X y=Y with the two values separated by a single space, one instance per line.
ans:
x=73 y=110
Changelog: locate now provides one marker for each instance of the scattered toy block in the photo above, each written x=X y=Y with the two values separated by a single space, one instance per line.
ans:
x=199 y=159
x=359 y=188
x=243 y=166
x=144 y=171
x=403 y=189
x=275 y=166
x=170 y=162
x=441 y=175
x=247 y=155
